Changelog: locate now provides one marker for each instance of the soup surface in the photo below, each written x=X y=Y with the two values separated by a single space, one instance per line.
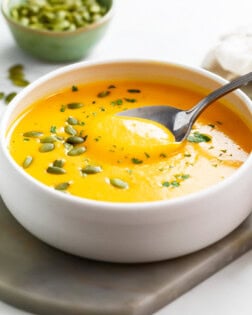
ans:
x=72 y=141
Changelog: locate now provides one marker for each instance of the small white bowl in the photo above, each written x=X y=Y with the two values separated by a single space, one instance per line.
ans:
x=124 y=232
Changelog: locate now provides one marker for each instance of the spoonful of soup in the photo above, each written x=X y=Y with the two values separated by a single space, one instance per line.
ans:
x=180 y=122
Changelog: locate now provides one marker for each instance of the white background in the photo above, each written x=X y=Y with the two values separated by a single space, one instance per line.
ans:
x=181 y=31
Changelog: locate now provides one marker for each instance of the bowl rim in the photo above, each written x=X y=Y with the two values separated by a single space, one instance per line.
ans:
x=81 y=30
x=110 y=205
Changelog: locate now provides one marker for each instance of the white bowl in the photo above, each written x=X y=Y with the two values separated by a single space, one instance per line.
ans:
x=124 y=232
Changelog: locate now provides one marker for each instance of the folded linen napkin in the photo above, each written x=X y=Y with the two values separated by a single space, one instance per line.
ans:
x=232 y=56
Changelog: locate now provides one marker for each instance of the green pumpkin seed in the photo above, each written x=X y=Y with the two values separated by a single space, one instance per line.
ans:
x=33 y=134
x=46 y=147
x=55 y=170
x=72 y=121
x=20 y=82
x=16 y=69
x=74 y=105
x=68 y=146
x=9 y=97
x=118 y=183
x=27 y=161
x=16 y=74
x=75 y=140
x=76 y=151
x=59 y=163
x=49 y=139
x=70 y=130
x=62 y=186
x=91 y=169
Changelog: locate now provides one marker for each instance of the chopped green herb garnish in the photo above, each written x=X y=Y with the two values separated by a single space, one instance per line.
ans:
x=53 y=129
x=185 y=176
x=63 y=108
x=97 y=138
x=165 y=184
x=147 y=154
x=134 y=91
x=187 y=155
x=175 y=183
x=211 y=125
x=1 y=95
x=197 y=137
x=117 y=102
x=162 y=155
x=75 y=88
x=111 y=86
x=130 y=100
x=103 y=93
x=136 y=161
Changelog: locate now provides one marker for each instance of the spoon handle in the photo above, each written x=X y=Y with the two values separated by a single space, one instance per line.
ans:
x=210 y=98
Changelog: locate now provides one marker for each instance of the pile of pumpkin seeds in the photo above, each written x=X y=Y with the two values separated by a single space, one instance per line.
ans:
x=57 y=15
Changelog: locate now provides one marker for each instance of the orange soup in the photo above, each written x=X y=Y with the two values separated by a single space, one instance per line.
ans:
x=74 y=142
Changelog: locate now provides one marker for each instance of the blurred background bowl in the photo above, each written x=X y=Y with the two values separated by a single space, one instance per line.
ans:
x=58 y=46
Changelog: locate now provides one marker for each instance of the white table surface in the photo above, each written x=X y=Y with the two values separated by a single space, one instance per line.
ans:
x=180 y=31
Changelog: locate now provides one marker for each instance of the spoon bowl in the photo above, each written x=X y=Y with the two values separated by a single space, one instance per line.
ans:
x=178 y=121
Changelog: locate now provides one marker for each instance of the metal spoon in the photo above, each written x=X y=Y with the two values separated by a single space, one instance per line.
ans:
x=178 y=121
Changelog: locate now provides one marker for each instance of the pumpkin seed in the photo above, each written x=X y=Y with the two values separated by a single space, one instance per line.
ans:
x=46 y=147
x=16 y=74
x=68 y=146
x=74 y=105
x=76 y=151
x=75 y=140
x=33 y=134
x=20 y=82
x=55 y=170
x=59 y=163
x=27 y=161
x=118 y=183
x=49 y=139
x=70 y=130
x=62 y=186
x=9 y=97
x=72 y=121
x=91 y=169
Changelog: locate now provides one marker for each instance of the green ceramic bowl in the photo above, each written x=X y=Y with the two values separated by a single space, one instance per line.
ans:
x=57 y=46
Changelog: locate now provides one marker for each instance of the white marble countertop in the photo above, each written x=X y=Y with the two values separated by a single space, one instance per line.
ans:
x=180 y=31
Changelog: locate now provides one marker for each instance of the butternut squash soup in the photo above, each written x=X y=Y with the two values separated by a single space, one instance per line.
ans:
x=74 y=142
